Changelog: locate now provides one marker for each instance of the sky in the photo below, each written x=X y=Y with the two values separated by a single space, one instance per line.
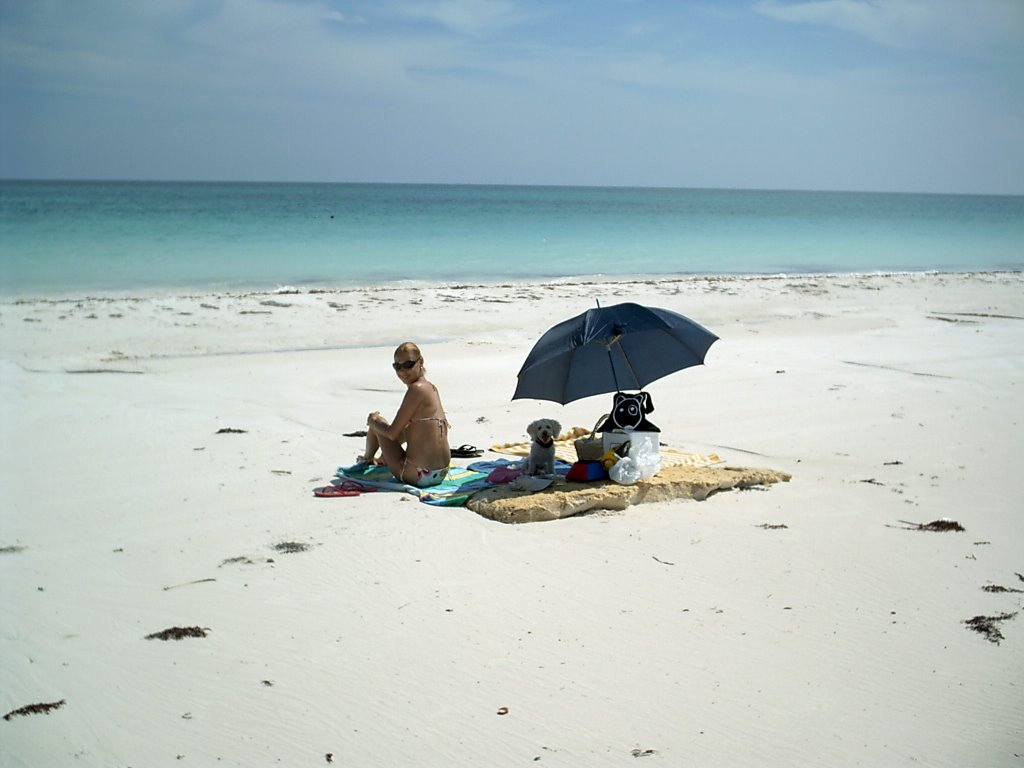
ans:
x=866 y=95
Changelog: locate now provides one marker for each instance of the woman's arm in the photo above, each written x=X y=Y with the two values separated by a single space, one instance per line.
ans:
x=410 y=404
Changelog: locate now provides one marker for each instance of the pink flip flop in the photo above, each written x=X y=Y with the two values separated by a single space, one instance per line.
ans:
x=355 y=485
x=332 y=491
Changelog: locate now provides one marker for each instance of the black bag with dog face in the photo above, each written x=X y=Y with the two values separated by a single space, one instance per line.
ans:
x=629 y=412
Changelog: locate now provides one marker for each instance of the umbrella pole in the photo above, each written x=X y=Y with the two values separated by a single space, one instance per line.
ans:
x=611 y=362
x=629 y=365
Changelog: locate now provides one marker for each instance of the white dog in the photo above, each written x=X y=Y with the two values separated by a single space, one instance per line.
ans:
x=542 y=449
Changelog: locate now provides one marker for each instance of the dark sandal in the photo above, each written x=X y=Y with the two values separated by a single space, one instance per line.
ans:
x=466 y=452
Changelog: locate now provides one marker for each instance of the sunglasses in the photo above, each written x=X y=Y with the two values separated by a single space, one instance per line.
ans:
x=408 y=364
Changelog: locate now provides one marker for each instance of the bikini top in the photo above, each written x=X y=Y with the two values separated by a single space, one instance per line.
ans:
x=442 y=423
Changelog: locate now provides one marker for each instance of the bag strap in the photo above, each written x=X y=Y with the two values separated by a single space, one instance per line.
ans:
x=598 y=423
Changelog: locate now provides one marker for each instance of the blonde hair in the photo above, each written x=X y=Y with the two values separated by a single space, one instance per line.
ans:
x=408 y=346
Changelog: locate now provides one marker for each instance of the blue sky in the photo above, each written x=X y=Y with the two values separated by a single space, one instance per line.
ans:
x=886 y=95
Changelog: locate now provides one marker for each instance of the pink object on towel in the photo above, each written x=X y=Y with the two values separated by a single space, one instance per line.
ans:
x=504 y=475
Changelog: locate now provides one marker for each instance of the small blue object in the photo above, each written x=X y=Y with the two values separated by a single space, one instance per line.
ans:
x=587 y=472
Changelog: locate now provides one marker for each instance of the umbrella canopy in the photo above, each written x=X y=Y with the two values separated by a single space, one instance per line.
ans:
x=610 y=349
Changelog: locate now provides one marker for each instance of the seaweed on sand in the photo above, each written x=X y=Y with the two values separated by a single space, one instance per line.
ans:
x=940 y=525
x=290 y=547
x=35 y=709
x=986 y=625
x=177 y=633
x=999 y=588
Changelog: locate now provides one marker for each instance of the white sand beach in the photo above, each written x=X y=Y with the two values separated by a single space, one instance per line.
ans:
x=800 y=624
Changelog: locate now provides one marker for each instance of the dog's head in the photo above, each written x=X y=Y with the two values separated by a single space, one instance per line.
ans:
x=628 y=410
x=544 y=431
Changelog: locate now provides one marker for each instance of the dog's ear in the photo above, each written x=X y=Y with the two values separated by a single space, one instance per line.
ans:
x=556 y=428
x=531 y=429
x=648 y=402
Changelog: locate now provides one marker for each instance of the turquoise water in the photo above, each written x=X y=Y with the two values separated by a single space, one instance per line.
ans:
x=72 y=237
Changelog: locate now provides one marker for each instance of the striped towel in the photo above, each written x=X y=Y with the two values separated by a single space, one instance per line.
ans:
x=565 y=449
x=454 y=491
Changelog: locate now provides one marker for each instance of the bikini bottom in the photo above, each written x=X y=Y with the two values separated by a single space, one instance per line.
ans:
x=428 y=477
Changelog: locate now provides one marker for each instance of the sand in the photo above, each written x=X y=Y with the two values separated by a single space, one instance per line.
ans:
x=798 y=625
x=508 y=504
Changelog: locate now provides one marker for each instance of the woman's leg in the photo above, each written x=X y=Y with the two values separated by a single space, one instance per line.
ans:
x=392 y=452
x=372 y=446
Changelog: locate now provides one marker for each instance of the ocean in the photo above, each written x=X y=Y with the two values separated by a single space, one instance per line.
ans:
x=119 y=237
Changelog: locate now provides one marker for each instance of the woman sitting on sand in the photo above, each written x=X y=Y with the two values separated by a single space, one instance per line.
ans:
x=420 y=426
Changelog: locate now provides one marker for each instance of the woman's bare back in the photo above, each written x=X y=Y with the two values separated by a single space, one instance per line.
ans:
x=426 y=433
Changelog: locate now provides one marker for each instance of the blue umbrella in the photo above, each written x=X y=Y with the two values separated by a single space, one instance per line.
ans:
x=611 y=349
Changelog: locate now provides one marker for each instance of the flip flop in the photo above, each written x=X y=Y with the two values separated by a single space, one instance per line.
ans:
x=466 y=452
x=332 y=491
x=355 y=485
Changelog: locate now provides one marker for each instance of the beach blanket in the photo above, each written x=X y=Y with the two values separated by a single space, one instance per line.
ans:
x=459 y=484
x=565 y=449
x=487 y=466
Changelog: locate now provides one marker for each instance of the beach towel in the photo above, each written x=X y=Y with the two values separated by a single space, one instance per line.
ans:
x=500 y=471
x=565 y=449
x=459 y=484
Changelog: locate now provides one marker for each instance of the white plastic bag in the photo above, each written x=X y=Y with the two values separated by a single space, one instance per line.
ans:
x=647 y=462
x=625 y=471
x=649 y=465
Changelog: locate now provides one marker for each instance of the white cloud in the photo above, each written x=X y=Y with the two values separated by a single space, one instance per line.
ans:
x=341 y=18
x=466 y=17
x=979 y=27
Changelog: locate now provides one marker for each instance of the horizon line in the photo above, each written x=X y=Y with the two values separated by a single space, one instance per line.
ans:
x=521 y=185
